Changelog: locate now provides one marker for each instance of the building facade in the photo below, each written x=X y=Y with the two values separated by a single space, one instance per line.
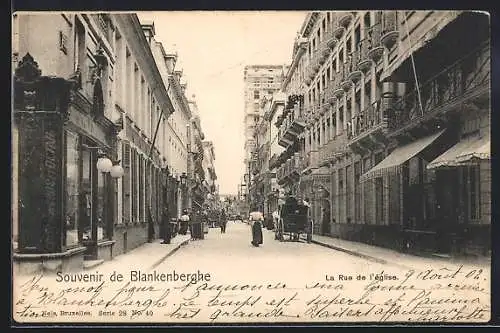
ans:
x=264 y=186
x=259 y=81
x=393 y=142
x=92 y=159
x=209 y=166
x=173 y=132
x=196 y=174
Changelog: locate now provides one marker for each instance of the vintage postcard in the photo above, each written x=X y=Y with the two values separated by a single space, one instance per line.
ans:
x=221 y=167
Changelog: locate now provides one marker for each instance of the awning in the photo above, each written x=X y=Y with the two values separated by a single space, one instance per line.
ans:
x=464 y=151
x=394 y=161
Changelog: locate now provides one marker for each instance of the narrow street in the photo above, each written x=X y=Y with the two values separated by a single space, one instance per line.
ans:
x=224 y=279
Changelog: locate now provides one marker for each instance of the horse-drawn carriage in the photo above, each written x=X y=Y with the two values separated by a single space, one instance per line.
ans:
x=293 y=220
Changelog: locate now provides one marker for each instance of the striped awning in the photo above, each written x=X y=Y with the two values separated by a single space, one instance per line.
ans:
x=393 y=162
x=465 y=151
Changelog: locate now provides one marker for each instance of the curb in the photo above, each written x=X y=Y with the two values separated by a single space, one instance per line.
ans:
x=162 y=259
x=353 y=253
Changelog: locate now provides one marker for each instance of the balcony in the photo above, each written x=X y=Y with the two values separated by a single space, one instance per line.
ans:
x=324 y=105
x=368 y=128
x=310 y=162
x=463 y=85
x=330 y=96
x=293 y=124
x=390 y=31
x=331 y=40
x=333 y=150
x=364 y=63
x=324 y=50
x=354 y=74
x=345 y=83
x=345 y=19
x=315 y=61
x=375 y=47
x=335 y=87
x=290 y=170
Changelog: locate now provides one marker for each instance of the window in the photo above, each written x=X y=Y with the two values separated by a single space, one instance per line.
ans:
x=366 y=21
x=256 y=94
x=126 y=160
x=367 y=193
x=357 y=192
x=80 y=52
x=72 y=188
x=348 y=188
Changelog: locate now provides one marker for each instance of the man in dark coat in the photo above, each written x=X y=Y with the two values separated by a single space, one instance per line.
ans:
x=165 y=229
x=325 y=223
x=223 y=221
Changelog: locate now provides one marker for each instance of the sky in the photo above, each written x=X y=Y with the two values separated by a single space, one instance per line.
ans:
x=213 y=48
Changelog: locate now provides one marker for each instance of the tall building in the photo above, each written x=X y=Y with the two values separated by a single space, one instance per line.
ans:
x=88 y=169
x=172 y=131
x=387 y=128
x=259 y=81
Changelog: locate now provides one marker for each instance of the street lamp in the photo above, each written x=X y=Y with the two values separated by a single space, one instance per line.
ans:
x=104 y=164
x=116 y=170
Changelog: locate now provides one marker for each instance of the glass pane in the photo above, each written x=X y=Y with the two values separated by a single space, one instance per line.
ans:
x=72 y=189
x=101 y=206
x=86 y=196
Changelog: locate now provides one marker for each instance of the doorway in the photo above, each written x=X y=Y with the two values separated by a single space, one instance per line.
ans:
x=94 y=200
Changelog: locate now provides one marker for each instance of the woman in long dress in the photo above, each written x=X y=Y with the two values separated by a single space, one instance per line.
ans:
x=256 y=218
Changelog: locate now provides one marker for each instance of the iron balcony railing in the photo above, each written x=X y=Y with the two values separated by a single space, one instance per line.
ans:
x=458 y=81
x=367 y=119
x=334 y=147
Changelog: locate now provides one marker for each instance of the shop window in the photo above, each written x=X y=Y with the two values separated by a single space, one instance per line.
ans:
x=102 y=206
x=72 y=188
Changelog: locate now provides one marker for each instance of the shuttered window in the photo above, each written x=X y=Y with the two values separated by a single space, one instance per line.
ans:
x=126 y=163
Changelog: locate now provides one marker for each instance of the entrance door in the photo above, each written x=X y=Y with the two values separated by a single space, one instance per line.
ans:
x=94 y=200
x=87 y=202
x=447 y=198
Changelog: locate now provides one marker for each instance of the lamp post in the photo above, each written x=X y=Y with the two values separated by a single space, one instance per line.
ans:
x=112 y=170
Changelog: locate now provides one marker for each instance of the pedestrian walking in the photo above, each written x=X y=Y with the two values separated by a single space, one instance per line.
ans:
x=165 y=229
x=184 y=222
x=310 y=221
x=256 y=219
x=223 y=222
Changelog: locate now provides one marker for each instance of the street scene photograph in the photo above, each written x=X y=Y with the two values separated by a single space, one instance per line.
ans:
x=251 y=167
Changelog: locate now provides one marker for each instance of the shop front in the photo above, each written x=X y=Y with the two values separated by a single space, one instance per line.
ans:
x=66 y=164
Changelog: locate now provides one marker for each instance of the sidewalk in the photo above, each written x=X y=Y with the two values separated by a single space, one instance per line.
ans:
x=387 y=256
x=146 y=256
